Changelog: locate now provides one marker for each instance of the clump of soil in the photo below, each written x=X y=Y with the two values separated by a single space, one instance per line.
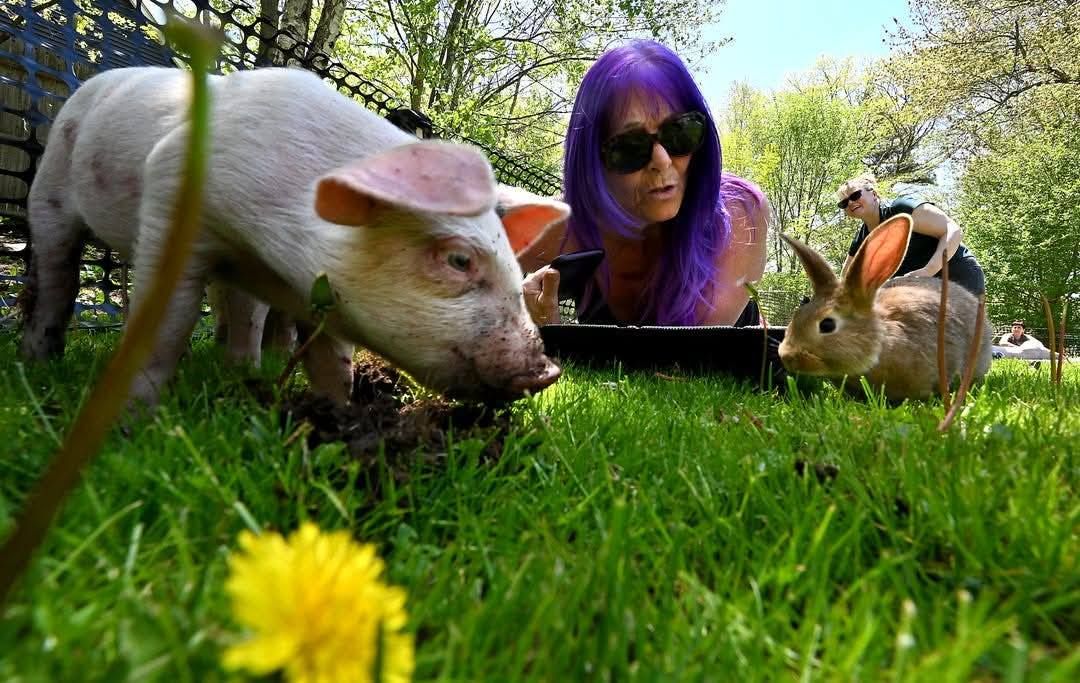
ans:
x=383 y=410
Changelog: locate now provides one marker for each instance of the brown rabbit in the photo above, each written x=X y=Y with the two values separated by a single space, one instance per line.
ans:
x=886 y=330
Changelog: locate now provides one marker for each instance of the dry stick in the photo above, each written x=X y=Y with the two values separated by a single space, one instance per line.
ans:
x=322 y=302
x=295 y=358
x=1053 y=337
x=943 y=379
x=764 y=330
x=969 y=367
x=1061 y=342
x=106 y=400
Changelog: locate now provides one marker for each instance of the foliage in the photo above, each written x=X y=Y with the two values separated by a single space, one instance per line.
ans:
x=905 y=139
x=634 y=528
x=1020 y=206
x=799 y=144
x=976 y=63
x=505 y=72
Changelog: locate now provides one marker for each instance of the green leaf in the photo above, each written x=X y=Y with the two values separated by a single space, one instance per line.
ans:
x=322 y=295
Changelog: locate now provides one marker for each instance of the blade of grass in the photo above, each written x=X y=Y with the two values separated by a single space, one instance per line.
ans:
x=37 y=404
x=1061 y=341
x=1053 y=337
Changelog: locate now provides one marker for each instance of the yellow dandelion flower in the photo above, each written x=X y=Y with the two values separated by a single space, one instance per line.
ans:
x=318 y=609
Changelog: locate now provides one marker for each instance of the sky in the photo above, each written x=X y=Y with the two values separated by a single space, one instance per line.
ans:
x=775 y=38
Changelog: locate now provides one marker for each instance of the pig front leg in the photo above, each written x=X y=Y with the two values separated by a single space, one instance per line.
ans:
x=245 y=316
x=216 y=293
x=245 y=326
x=329 y=365
x=279 y=332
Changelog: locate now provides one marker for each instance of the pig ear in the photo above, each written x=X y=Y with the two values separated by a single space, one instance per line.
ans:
x=430 y=176
x=526 y=216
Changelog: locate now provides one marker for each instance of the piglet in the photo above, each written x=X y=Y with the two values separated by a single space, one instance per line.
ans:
x=301 y=180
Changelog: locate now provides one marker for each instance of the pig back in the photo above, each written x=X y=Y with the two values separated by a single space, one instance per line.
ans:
x=113 y=123
x=276 y=131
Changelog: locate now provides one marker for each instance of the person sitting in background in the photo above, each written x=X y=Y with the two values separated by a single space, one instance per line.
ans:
x=933 y=233
x=643 y=178
x=1016 y=337
x=1019 y=344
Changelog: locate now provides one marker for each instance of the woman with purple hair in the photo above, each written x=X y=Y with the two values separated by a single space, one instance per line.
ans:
x=642 y=175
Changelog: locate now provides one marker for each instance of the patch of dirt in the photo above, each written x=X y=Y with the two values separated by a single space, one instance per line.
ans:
x=824 y=472
x=384 y=411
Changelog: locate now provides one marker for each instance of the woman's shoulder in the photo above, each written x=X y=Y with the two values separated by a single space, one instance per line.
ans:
x=905 y=203
x=743 y=199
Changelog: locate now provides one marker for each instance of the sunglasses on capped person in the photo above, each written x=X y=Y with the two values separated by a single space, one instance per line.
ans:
x=850 y=198
x=631 y=151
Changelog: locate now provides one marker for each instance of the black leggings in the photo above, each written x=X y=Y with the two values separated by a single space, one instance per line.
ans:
x=968 y=273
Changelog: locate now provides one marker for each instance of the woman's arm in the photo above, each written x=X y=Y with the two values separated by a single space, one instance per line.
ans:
x=928 y=219
x=742 y=262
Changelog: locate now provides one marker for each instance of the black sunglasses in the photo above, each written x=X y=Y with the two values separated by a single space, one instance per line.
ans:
x=850 y=198
x=630 y=151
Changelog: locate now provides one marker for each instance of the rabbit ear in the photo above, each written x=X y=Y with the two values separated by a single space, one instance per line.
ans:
x=878 y=258
x=817 y=268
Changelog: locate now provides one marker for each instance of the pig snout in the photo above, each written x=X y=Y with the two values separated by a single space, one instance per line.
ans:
x=535 y=381
x=504 y=365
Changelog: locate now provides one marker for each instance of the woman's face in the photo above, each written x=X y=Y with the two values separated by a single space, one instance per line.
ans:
x=865 y=206
x=654 y=193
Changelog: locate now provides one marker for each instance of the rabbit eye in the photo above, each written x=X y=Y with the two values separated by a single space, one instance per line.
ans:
x=827 y=325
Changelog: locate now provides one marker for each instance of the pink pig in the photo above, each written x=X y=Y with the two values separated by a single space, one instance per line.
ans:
x=413 y=235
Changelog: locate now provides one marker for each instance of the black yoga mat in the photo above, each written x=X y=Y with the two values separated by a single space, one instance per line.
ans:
x=735 y=351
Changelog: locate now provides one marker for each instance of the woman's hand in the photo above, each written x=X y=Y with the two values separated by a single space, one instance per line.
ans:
x=542 y=295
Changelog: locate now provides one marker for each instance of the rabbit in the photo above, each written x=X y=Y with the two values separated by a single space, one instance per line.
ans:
x=868 y=325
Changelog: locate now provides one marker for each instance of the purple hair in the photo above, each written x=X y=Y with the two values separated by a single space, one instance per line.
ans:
x=701 y=230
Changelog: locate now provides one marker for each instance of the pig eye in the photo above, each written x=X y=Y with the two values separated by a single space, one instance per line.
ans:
x=459 y=261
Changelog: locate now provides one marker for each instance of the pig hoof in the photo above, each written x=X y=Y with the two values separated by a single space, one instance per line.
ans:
x=41 y=349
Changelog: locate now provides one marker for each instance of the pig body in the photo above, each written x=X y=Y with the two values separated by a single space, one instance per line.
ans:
x=301 y=180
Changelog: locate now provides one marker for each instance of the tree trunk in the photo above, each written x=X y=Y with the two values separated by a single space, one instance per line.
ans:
x=293 y=27
x=269 y=20
x=449 y=51
x=327 y=31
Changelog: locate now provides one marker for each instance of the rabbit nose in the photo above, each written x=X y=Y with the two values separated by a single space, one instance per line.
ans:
x=794 y=359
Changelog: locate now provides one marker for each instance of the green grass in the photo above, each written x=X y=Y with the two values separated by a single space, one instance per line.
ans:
x=635 y=528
